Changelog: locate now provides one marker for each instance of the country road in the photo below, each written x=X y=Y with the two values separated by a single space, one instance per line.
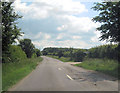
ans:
x=54 y=75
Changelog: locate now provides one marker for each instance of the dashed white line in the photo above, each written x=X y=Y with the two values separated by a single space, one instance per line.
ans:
x=66 y=74
x=69 y=77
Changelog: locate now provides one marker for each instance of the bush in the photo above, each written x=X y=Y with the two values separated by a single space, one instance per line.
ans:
x=34 y=55
x=15 y=54
x=78 y=56
x=38 y=52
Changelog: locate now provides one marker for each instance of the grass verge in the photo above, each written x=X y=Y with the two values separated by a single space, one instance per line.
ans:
x=106 y=66
x=63 y=59
x=13 y=72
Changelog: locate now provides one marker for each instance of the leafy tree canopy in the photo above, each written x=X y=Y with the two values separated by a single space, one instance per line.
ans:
x=10 y=30
x=109 y=17
x=38 y=52
x=27 y=47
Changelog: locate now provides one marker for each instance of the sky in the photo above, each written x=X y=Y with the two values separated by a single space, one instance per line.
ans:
x=58 y=23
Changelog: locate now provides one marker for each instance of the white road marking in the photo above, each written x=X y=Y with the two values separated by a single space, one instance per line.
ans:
x=69 y=77
x=59 y=69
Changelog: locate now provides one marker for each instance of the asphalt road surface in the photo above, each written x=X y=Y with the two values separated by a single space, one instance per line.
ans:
x=54 y=75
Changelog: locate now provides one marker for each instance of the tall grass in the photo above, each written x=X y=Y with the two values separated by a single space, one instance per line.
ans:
x=15 y=71
x=103 y=65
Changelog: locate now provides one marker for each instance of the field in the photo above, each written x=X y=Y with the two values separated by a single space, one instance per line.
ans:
x=106 y=66
x=15 y=71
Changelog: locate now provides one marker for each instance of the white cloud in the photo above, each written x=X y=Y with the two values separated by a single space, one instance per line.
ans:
x=73 y=43
x=33 y=11
x=96 y=37
x=76 y=37
x=59 y=28
x=21 y=7
x=44 y=43
x=63 y=27
x=60 y=36
x=61 y=10
x=77 y=24
x=47 y=36
x=44 y=8
x=39 y=35
x=68 y=6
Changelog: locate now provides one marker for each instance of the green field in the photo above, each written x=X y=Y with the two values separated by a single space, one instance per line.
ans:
x=106 y=66
x=15 y=71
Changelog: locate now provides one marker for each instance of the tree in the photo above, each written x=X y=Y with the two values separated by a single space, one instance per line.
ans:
x=16 y=53
x=109 y=18
x=71 y=54
x=10 y=30
x=103 y=51
x=38 y=53
x=78 y=55
x=27 y=47
x=60 y=54
x=44 y=52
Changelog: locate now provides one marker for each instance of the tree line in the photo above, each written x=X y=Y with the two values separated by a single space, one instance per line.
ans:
x=103 y=51
x=73 y=54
